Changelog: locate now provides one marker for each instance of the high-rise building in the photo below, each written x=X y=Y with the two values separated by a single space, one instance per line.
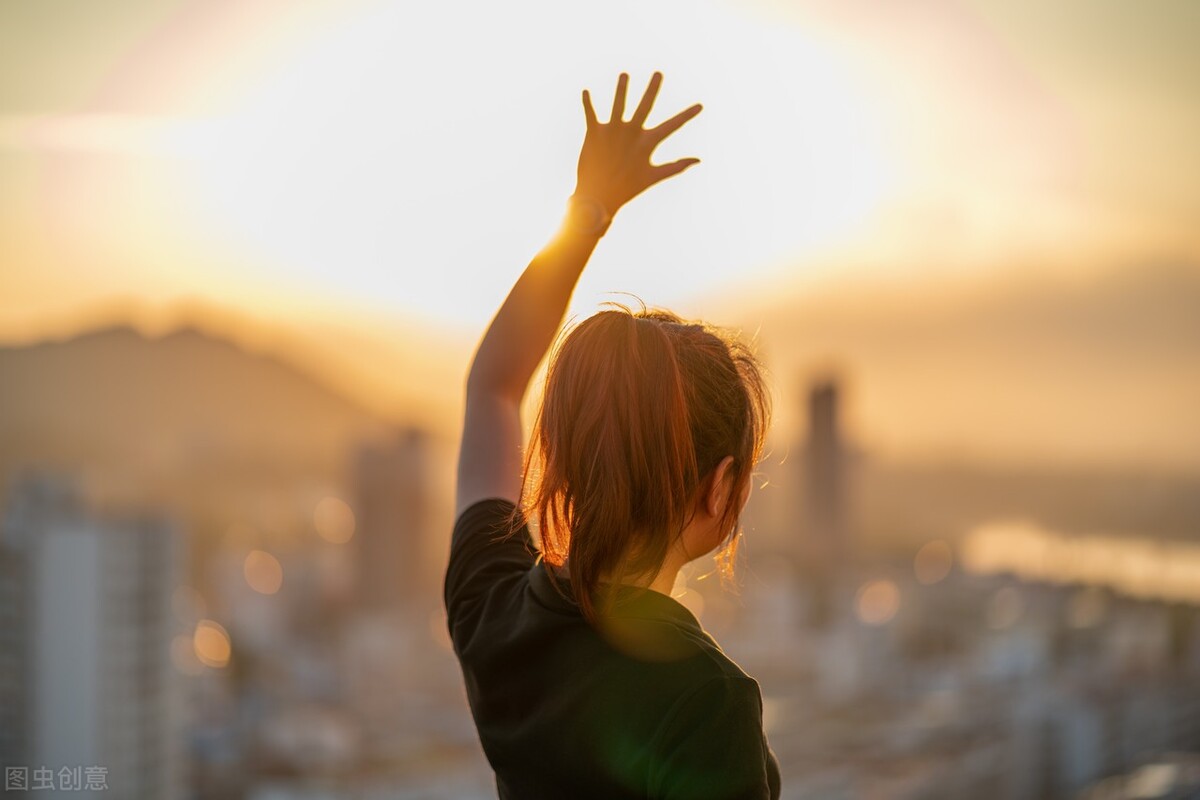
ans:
x=396 y=570
x=823 y=546
x=85 y=639
x=15 y=672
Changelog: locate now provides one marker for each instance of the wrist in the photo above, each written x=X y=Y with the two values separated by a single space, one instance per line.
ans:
x=587 y=215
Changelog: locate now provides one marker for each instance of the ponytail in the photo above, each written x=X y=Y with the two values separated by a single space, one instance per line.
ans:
x=638 y=410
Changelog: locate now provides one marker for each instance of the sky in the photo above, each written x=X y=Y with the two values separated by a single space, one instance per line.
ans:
x=387 y=159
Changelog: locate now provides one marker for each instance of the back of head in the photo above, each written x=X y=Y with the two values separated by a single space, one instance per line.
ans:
x=639 y=409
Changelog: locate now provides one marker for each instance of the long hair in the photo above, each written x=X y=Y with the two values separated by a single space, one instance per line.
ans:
x=639 y=408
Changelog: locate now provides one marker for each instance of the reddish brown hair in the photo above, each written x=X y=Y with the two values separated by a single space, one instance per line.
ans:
x=639 y=408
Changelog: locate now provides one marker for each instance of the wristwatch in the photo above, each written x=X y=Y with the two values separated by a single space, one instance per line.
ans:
x=587 y=215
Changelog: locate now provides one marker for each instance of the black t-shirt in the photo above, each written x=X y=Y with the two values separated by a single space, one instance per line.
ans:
x=651 y=707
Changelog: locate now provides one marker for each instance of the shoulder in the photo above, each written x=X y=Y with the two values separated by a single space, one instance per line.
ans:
x=722 y=694
x=489 y=516
x=490 y=541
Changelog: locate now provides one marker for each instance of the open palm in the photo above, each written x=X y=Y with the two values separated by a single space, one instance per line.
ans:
x=614 y=163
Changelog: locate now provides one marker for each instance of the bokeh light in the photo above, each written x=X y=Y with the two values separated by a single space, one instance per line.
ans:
x=263 y=572
x=334 y=520
x=877 y=602
x=211 y=644
x=933 y=562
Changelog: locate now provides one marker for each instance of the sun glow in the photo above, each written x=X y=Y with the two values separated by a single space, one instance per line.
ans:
x=408 y=159
x=375 y=156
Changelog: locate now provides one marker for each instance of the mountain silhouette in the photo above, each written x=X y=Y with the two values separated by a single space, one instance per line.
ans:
x=177 y=417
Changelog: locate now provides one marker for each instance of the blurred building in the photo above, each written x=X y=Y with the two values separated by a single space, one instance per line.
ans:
x=823 y=548
x=393 y=506
x=86 y=677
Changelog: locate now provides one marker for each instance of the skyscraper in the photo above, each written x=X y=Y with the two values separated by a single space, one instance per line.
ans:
x=823 y=547
x=85 y=638
x=393 y=507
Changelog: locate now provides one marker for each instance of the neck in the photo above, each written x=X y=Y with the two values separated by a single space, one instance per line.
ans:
x=664 y=581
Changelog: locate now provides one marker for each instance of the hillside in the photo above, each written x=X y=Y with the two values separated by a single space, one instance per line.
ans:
x=185 y=414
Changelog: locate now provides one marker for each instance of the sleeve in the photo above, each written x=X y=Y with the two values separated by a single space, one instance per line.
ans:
x=713 y=747
x=482 y=552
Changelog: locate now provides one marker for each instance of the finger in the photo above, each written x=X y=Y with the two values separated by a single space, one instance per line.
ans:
x=664 y=171
x=675 y=123
x=589 y=113
x=643 y=109
x=618 y=109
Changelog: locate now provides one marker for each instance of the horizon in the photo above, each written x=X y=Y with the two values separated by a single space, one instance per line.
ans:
x=1071 y=353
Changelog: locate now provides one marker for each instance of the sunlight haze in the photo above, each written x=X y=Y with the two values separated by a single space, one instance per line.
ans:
x=356 y=186
x=412 y=159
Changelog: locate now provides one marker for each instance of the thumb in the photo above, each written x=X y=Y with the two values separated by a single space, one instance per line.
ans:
x=664 y=171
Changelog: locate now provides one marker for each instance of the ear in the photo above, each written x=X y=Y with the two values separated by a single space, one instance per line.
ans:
x=718 y=492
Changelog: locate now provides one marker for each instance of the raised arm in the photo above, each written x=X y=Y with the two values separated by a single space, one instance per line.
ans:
x=614 y=167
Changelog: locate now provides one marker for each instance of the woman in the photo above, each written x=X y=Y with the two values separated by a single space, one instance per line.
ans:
x=585 y=678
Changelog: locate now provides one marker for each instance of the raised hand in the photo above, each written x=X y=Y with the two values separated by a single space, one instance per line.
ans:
x=614 y=163
x=614 y=167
